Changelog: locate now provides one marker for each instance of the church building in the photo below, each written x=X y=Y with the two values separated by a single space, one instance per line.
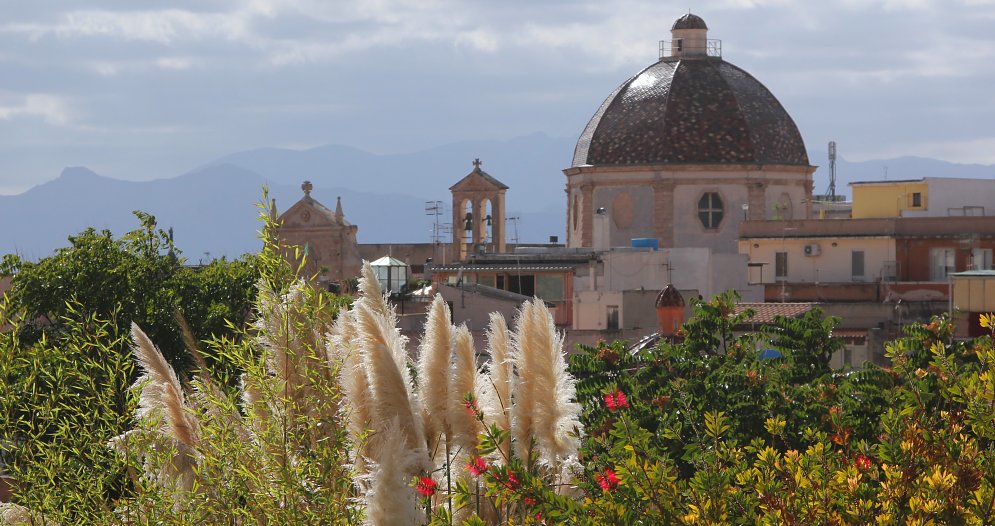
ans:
x=325 y=240
x=683 y=152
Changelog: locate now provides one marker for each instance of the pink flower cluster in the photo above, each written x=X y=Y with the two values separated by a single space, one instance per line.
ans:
x=616 y=400
x=608 y=480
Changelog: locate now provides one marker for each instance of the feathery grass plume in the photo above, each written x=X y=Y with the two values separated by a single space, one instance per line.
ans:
x=555 y=414
x=167 y=427
x=523 y=384
x=356 y=391
x=435 y=357
x=162 y=392
x=462 y=381
x=389 y=387
x=391 y=498
x=291 y=330
x=373 y=297
x=495 y=388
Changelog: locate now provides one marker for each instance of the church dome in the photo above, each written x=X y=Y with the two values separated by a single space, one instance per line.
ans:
x=690 y=109
x=689 y=21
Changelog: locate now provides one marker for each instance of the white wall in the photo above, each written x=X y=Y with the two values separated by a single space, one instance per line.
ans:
x=945 y=193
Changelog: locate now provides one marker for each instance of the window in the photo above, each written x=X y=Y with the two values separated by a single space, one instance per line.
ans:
x=916 y=199
x=710 y=210
x=857 y=265
x=524 y=284
x=941 y=263
x=680 y=44
x=781 y=265
x=981 y=259
x=612 y=315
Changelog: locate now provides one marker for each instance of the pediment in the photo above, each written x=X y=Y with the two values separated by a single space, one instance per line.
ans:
x=309 y=213
x=478 y=180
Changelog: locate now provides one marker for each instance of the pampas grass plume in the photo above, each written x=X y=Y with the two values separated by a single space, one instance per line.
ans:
x=435 y=356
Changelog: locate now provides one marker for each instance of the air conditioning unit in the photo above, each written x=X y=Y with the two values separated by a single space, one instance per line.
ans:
x=813 y=250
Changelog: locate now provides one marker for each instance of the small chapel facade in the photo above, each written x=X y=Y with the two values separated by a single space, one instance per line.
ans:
x=323 y=237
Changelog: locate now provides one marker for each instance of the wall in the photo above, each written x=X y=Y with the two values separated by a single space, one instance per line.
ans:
x=955 y=193
x=832 y=265
x=591 y=307
x=887 y=199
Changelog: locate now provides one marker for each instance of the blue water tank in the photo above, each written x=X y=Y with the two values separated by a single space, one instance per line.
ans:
x=646 y=242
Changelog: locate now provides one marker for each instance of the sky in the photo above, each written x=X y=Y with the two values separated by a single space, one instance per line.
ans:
x=153 y=89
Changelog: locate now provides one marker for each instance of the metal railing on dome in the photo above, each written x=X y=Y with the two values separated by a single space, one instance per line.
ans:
x=713 y=47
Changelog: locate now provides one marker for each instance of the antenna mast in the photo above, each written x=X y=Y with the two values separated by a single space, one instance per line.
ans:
x=832 y=170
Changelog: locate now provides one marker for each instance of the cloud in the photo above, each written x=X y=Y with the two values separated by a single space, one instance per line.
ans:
x=53 y=109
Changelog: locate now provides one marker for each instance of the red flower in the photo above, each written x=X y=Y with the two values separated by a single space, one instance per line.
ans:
x=426 y=486
x=530 y=501
x=608 y=480
x=472 y=409
x=512 y=483
x=616 y=400
x=864 y=462
x=477 y=466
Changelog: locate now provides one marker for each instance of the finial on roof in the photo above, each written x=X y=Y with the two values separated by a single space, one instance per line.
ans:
x=272 y=210
x=307 y=187
x=477 y=163
x=338 y=208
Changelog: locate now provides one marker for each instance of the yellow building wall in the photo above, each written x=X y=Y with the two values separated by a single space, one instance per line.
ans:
x=887 y=200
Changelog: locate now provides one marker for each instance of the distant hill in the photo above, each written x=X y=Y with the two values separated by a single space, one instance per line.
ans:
x=213 y=212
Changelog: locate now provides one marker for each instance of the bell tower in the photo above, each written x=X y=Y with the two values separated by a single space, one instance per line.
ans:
x=478 y=213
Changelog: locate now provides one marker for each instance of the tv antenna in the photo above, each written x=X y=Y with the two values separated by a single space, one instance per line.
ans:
x=435 y=208
x=832 y=171
x=514 y=225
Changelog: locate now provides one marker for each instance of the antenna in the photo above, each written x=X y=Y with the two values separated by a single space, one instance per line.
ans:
x=832 y=171
x=435 y=208
x=514 y=224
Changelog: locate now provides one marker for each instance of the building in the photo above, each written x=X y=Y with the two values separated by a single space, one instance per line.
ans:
x=683 y=152
x=478 y=213
x=972 y=294
x=325 y=240
x=926 y=197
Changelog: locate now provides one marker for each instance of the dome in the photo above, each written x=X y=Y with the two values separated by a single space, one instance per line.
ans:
x=669 y=297
x=700 y=110
x=689 y=21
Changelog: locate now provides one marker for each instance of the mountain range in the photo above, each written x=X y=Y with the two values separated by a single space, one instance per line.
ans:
x=213 y=210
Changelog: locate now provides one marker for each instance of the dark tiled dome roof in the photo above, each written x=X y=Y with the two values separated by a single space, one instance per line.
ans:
x=669 y=297
x=697 y=110
x=689 y=21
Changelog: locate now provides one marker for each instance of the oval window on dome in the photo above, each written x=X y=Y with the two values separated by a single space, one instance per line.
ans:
x=710 y=210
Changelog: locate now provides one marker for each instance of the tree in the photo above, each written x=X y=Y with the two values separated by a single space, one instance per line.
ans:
x=139 y=278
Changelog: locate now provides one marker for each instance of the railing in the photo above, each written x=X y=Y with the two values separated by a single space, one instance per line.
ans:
x=713 y=47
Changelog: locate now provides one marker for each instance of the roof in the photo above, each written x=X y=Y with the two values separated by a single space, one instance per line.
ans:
x=766 y=312
x=495 y=293
x=669 y=297
x=890 y=227
x=478 y=172
x=505 y=267
x=691 y=111
x=388 y=261
x=886 y=182
x=974 y=274
x=689 y=21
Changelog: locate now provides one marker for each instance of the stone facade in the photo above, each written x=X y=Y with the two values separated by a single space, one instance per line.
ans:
x=323 y=237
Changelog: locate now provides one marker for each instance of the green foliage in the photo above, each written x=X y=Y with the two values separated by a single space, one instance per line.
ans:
x=135 y=278
x=61 y=399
